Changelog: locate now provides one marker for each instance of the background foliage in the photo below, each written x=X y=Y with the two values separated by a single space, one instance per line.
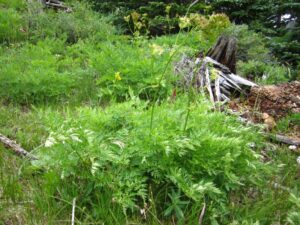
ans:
x=277 y=20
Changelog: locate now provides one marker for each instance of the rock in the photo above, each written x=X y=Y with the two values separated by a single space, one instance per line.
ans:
x=269 y=121
x=298 y=160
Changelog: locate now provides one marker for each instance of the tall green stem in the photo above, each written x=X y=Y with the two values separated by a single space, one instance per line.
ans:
x=165 y=70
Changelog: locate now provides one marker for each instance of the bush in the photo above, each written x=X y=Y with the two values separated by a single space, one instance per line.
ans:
x=254 y=59
x=114 y=150
x=251 y=45
x=211 y=28
x=217 y=24
x=161 y=17
x=264 y=73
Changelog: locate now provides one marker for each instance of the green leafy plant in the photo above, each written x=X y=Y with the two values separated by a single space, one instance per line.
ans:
x=176 y=205
x=12 y=26
x=113 y=150
x=287 y=123
x=264 y=73
x=294 y=216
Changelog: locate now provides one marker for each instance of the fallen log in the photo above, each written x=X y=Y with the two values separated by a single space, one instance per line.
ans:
x=8 y=143
x=56 y=4
x=286 y=140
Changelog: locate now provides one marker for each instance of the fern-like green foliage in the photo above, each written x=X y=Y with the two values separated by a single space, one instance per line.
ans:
x=113 y=150
x=266 y=73
x=11 y=26
x=49 y=71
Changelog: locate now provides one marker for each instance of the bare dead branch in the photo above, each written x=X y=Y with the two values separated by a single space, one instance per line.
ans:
x=8 y=143
x=202 y=214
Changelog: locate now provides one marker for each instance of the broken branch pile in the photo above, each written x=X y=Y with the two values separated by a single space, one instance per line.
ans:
x=215 y=72
x=211 y=75
x=56 y=4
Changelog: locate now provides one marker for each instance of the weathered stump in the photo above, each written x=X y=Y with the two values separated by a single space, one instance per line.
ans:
x=224 y=52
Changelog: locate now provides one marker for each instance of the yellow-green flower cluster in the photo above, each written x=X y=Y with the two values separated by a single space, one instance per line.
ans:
x=184 y=22
x=156 y=49
x=118 y=76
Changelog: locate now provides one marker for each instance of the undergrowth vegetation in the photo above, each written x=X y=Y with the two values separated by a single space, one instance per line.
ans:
x=113 y=150
x=116 y=168
x=110 y=128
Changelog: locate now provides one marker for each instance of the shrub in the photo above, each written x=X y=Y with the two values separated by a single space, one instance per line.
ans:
x=251 y=45
x=264 y=73
x=162 y=17
x=210 y=28
x=115 y=150
x=255 y=60
x=217 y=23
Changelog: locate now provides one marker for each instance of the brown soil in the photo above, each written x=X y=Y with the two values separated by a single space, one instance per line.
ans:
x=277 y=101
x=268 y=104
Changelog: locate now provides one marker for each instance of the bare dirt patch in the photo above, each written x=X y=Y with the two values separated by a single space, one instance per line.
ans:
x=277 y=101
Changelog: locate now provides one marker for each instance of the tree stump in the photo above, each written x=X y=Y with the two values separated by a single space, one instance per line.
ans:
x=224 y=52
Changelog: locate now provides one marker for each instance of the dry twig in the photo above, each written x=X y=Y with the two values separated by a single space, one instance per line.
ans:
x=73 y=211
x=202 y=214
x=8 y=143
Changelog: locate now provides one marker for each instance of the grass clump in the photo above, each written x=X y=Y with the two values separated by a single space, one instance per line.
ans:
x=11 y=26
x=81 y=24
x=29 y=21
